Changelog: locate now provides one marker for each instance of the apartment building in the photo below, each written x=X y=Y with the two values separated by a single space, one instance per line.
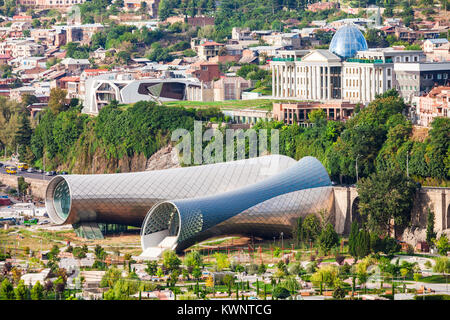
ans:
x=434 y=104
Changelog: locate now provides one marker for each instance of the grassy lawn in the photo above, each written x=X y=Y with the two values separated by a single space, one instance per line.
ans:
x=434 y=279
x=228 y=104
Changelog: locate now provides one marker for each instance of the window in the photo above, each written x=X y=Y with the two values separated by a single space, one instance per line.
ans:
x=445 y=75
x=416 y=58
x=389 y=71
x=439 y=76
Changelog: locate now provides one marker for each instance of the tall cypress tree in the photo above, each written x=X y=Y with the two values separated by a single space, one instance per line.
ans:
x=430 y=227
x=23 y=136
x=354 y=231
x=363 y=244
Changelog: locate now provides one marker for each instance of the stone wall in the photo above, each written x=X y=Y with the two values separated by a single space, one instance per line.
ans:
x=437 y=199
x=37 y=186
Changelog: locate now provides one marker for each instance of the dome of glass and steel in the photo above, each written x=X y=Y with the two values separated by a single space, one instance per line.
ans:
x=347 y=41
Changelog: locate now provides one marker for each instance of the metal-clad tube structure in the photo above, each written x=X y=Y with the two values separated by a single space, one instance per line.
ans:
x=125 y=198
x=264 y=208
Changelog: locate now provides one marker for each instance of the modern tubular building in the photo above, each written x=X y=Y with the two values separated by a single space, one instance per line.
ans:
x=264 y=208
x=125 y=198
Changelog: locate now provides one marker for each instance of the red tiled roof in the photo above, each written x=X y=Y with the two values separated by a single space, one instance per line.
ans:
x=95 y=70
x=211 y=43
x=70 y=79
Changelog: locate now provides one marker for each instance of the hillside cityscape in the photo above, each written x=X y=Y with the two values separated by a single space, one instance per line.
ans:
x=224 y=150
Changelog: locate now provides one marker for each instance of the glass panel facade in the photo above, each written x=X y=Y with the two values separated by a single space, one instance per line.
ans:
x=347 y=41
x=61 y=199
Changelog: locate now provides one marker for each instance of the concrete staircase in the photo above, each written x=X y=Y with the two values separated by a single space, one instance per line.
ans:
x=153 y=253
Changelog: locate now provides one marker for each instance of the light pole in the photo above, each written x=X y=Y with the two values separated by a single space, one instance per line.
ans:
x=356 y=167
x=282 y=244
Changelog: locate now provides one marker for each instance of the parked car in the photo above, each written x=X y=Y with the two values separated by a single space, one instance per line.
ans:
x=31 y=170
x=50 y=173
x=64 y=173
x=40 y=171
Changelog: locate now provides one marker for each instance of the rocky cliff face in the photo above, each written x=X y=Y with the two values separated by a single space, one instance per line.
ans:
x=165 y=158
x=98 y=163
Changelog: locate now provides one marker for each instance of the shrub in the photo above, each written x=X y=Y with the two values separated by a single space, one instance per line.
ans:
x=339 y=293
x=280 y=293
x=433 y=297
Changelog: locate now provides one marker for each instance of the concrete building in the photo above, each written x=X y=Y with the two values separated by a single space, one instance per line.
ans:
x=248 y=116
x=291 y=113
x=435 y=104
x=205 y=71
x=350 y=72
x=431 y=44
x=50 y=4
x=241 y=34
x=289 y=41
x=151 y=6
x=416 y=79
x=230 y=88
x=123 y=88
x=208 y=49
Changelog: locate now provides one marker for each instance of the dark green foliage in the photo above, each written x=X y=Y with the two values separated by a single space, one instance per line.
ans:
x=352 y=239
x=311 y=227
x=280 y=292
x=433 y=297
x=125 y=132
x=339 y=293
x=430 y=227
x=362 y=244
x=6 y=290
x=252 y=72
x=386 y=245
x=74 y=50
x=328 y=238
x=386 y=195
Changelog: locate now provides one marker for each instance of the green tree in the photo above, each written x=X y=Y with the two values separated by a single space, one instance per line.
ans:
x=21 y=291
x=352 y=240
x=152 y=267
x=431 y=235
x=442 y=245
x=7 y=290
x=298 y=231
x=386 y=195
x=37 y=292
x=57 y=100
x=111 y=276
x=362 y=245
x=165 y=10
x=328 y=238
x=193 y=259
x=339 y=293
x=222 y=261
x=280 y=292
x=311 y=227
x=317 y=115
x=170 y=260
x=442 y=265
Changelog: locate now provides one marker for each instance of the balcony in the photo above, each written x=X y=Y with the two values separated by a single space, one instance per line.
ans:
x=358 y=60
x=287 y=59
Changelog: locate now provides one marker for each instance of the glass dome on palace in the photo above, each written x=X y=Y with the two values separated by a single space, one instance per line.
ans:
x=347 y=41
